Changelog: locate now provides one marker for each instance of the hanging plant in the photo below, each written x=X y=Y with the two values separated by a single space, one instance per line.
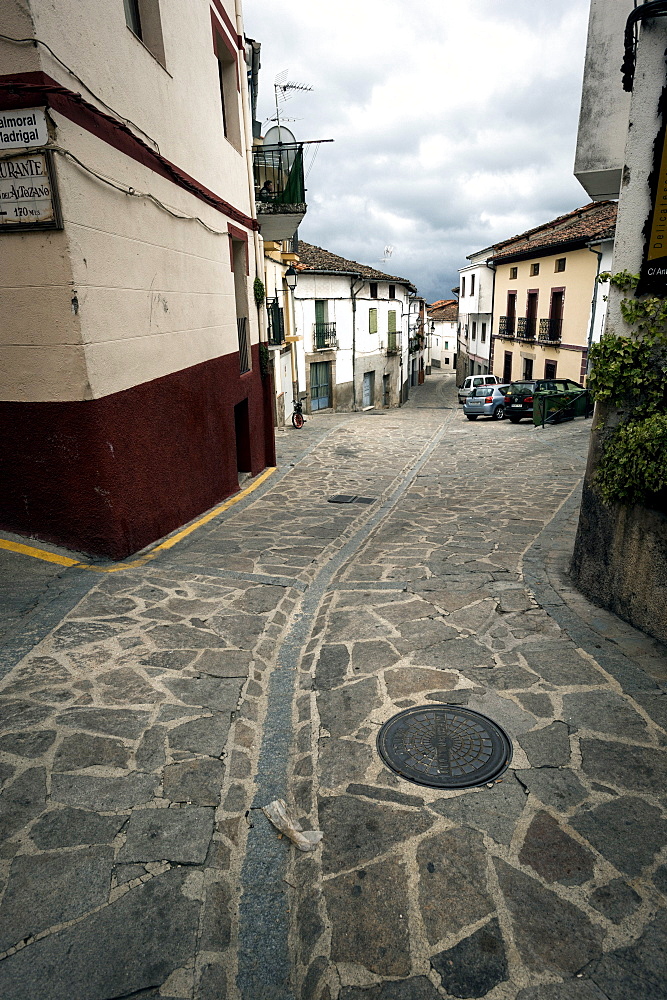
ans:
x=630 y=373
x=258 y=291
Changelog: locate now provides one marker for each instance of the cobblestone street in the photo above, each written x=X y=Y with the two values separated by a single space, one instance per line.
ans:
x=148 y=713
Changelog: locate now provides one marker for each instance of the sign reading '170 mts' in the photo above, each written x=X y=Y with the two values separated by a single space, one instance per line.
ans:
x=26 y=191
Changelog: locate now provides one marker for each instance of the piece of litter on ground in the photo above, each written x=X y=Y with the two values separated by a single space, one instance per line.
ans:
x=278 y=814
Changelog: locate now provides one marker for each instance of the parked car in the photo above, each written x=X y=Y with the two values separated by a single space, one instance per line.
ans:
x=486 y=401
x=473 y=381
x=519 y=398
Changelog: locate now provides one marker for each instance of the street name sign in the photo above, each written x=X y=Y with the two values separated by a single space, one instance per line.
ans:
x=23 y=128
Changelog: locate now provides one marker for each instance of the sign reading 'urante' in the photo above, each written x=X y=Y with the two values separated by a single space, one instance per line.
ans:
x=25 y=127
x=27 y=196
x=653 y=275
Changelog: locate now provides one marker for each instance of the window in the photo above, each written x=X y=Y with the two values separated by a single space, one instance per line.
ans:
x=560 y=264
x=391 y=321
x=143 y=19
x=446 y=345
x=374 y=289
x=372 y=321
x=534 y=269
x=514 y=273
x=550 y=369
x=472 y=284
x=474 y=329
x=229 y=88
x=392 y=291
x=483 y=333
x=463 y=286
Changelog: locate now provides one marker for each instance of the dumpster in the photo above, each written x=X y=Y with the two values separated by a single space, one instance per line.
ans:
x=552 y=407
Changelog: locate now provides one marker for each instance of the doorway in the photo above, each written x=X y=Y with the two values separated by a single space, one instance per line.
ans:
x=386 y=390
x=507 y=367
x=531 y=314
x=367 y=391
x=320 y=385
x=242 y=433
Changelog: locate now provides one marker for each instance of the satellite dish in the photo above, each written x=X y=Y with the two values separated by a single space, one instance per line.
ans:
x=277 y=134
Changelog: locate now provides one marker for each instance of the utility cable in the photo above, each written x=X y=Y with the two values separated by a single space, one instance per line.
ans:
x=125 y=188
x=38 y=41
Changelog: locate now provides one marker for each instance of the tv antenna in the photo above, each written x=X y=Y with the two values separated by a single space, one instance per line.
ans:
x=388 y=251
x=284 y=90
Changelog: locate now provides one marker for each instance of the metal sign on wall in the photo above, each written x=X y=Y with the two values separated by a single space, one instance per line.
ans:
x=28 y=196
x=653 y=274
x=23 y=128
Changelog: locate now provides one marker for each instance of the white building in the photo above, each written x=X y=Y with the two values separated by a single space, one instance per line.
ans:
x=476 y=283
x=131 y=393
x=360 y=339
x=443 y=324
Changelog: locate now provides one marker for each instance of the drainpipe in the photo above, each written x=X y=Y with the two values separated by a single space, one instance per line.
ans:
x=247 y=131
x=492 y=267
x=353 y=296
x=598 y=254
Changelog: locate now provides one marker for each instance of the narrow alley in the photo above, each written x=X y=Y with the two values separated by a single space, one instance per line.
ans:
x=150 y=709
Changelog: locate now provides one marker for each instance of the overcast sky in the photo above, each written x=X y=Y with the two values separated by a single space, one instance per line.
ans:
x=454 y=122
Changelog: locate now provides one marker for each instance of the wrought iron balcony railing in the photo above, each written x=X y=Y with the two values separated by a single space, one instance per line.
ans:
x=551 y=330
x=393 y=343
x=415 y=343
x=506 y=327
x=276 y=319
x=280 y=191
x=244 y=353
x=525 y=328
x=324 y=336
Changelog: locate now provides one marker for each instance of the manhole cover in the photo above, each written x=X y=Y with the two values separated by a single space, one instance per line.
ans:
x=444 y=747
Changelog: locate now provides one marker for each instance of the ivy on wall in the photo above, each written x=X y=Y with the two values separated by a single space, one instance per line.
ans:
x=630 y=374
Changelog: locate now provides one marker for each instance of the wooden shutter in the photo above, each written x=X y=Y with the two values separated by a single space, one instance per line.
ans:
x=391 y=320
x=372 y=321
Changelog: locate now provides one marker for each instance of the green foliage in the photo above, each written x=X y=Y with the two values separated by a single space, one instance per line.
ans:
x=635 y=460
x=258 y=291
x=630 y=373
x=264 y=360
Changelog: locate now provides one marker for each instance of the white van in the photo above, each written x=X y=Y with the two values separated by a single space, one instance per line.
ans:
x=472 y=381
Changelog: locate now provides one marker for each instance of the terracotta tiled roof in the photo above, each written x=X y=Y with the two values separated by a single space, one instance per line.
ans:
x=312 y=258
x=592 y=222
x=444 y=311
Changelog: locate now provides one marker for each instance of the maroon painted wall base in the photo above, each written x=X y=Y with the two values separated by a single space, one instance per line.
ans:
x=108 y=476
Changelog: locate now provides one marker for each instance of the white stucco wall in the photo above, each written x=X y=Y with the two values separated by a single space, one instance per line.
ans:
x=126 y=293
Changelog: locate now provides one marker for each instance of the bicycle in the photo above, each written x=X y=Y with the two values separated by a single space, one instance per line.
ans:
x=297 y=417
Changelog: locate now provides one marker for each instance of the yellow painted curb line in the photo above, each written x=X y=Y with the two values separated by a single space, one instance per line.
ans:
x=29 y=550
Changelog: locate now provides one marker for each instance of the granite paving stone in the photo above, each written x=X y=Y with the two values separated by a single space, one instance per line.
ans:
x=368 y=910
x=547 y=747
x=70 y=827
x=571 y=989
x=604 y=712
x=356 y=831
x=627 y=831
x=554 y=786
x=550 y=933
x=640 y=769
x=452 y=882
x=415 y=988
x=31 y=744
x=331 y=666
x=103 y=794
x=77 y=882
x=555 y=855
x=21 y=801
x=180 y=835
x=475 y=965
x=616 y=900
x=343 y=710
x=660 y=879
x=342 y=760
x=197 y=781
x=81 y=750
x=205 y=736
x=495 y=811
x=111 y=721
x=637 y=970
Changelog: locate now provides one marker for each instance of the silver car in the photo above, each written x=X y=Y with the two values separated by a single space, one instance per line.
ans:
x=486 y=401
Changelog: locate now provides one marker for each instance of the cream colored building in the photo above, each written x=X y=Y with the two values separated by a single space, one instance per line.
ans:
x=131 y=394
x=545 y=285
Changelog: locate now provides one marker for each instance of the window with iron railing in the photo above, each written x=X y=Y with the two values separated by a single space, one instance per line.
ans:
x=244 y=353
x=506 y=326
x=551 y=329
x=276 y=318
x=324 y=336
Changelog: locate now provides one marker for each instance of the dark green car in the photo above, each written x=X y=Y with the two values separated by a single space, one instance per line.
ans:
x=520 y=395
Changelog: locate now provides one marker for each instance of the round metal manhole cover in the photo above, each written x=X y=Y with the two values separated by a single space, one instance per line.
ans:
x=445 y=746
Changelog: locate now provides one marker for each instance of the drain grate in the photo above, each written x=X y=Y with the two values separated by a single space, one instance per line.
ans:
x=348 y=498
x=444 y=747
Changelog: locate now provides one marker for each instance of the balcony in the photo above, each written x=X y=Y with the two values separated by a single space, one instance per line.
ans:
x=393 y=343
x=415 y=343
x=324 y=336
x=279 y=189
x=525 y=328
x=506 y=327
x=276 y=319
x=551 y=331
